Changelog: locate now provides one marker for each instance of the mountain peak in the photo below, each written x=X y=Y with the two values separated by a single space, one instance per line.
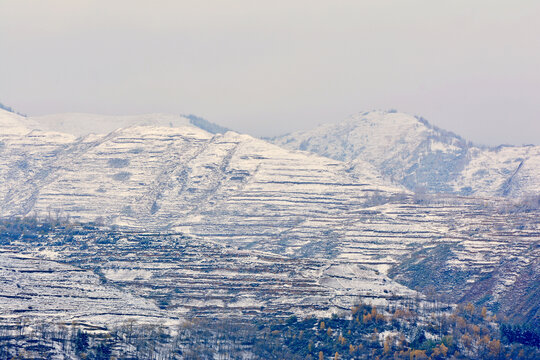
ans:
x=397 y=121
x=410 y=151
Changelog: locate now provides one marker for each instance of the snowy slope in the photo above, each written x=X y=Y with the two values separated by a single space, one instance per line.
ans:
x=410 y=151
x=33 y=287
x=512 y=171
x=12 y=124
x=81 y=124
x=228 y=186
x=236 y=190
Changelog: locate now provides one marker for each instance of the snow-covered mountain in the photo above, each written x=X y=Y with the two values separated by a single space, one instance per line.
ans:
x=255 y=196
x=410 y=151
x=12 y=124
x=156 y=176
x=82 y=124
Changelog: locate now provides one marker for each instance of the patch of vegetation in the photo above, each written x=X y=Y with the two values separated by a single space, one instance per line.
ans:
x=122 y=176
x=118 y=163
x=8 y=108
x=427 y=268
x=206 y=125
x=365 y=332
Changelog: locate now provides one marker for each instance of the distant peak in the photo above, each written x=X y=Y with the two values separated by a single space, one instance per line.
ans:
x=394 y=117
x=381 y=117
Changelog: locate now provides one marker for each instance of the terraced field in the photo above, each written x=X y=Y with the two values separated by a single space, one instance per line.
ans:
x=263 y=229
x=192 y=278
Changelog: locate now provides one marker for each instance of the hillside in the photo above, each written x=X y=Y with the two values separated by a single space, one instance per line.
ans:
x=409 y=151
x=338 y=229
x=12 y=124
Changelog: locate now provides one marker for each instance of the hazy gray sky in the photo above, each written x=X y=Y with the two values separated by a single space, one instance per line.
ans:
x=269 y=67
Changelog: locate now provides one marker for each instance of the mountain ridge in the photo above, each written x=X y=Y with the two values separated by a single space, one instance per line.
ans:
x=410 y=151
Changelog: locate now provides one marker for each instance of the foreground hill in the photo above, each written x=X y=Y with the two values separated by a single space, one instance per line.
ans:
x=410 y=151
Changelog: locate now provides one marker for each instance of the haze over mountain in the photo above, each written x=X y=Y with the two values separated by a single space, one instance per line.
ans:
x=268 y=68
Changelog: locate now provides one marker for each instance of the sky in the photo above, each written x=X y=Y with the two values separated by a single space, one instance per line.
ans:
x=272 y=67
